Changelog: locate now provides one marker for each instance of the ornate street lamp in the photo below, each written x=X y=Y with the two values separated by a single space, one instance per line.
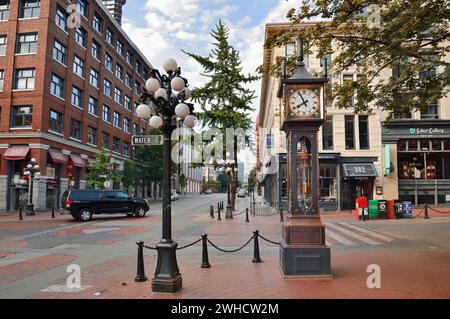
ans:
x=31 y=170
x=227 y=166
x=162 y=106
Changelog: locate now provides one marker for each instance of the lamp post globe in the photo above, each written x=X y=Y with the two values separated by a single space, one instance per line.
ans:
x=155 y=121
x=143 y=111
x=187 y=93
x=177 y=83
x=170 y=65
x=152 y=85
x=182 y=110
x=190 y=121
x=161 y=93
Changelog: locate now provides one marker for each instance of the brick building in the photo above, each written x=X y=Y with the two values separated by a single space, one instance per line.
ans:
x=65 y=92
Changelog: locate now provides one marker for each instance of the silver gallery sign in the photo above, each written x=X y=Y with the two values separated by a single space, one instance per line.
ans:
x=137 y=140
x=426 y=131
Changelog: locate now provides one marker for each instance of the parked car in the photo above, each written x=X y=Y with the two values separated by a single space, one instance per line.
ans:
x=208 y=191
x=174 y=196
x=83 y=204
x=242 y=193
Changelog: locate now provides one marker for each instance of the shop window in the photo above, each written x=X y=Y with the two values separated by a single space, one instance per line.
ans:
x=328 y=182
x=402 y=145
x=327 y=134
x=424 y=145
x=413 y=145
x=447 y=145
x=349 y=132
x=436 y=145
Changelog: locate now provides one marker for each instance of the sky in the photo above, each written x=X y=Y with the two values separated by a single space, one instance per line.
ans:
x=162 y=28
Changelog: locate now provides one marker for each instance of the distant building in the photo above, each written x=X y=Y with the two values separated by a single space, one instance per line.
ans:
x=115 y=8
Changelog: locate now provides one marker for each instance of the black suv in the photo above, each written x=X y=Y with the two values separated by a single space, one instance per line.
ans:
x=82 y=204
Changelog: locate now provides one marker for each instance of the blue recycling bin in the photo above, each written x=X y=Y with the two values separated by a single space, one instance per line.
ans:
x=407 y=209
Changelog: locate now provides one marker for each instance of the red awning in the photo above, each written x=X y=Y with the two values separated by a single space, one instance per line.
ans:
x=57 y=157
x=15 y=153
x=77 y=160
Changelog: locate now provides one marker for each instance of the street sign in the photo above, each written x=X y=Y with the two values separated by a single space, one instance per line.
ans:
x=147 y=140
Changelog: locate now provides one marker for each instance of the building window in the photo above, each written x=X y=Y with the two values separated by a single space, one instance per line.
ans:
x=138 y=67
x=116 y=144
x=128 y=80
x=61 y=18
x=56 y=122
x=119 y=71
x=92 y=135
x=126 y=125
x=143 y=131
x=107 y=89
x=97 y=22
x=29 y=9
x=93 y=78
x=118 y=95
x=126 y=149
x=83 y=7
x=328 y=182
x=57 y=86
x=93 y=106
x=21 y=116
x=138 y=88
x=135 y=129
x=96 y=48
x=77 y=97
x=431 y=112
x=349 y=132
x=108 y=62
x=127 y=102
x=119 y=47
x=269 y=141
x=27 y=43
x=105 y=140
x=4 y=10
x=349 y=78
x=80 y=36
x=60 y=52
x=117 y=119
x=2 y=79
x=327 y=134
x=110 y=36
x=78 y=66
x=106 y=114
x=24 y=79
x=3 y=41
x=363 y=132
x=129 y=58
x=75 y=129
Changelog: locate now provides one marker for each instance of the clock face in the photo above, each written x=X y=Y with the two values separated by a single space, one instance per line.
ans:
x=303 y=102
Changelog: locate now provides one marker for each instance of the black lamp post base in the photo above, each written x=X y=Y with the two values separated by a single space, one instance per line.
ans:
x=30 y=210
x=305 y=261
x=229 y=213
x=167 y=275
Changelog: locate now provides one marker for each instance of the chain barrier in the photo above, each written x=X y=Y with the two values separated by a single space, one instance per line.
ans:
x=229 y=251
x=239 y=213
x=149 y=247
x=189 y=245
x=437 y=211
x=421 y=211
x=269 y=241
x=261 y=215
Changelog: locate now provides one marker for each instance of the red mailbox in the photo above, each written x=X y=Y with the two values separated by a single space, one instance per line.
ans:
x=362 y=206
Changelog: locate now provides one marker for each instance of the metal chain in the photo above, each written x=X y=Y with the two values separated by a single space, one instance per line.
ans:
x=150 y=247
x=189 y=245
x=268 y=240
x=275 y=213
x=239 y=213
x=437 y=211
x=421 y=211
x=230 y=251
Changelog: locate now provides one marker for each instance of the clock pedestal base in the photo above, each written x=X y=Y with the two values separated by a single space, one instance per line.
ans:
x=303 y=252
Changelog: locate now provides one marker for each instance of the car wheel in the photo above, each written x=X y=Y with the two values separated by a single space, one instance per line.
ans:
x=140 y=211
x=85 y=214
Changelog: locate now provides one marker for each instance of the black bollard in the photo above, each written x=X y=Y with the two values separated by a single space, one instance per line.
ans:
x=281 y=215
x=218 y=215
x=140 y=276
x=20 y=214
x=246 y=215
x=205 y=261
x=256 y=257
x=211 y=211
x=53 y=212
x=425 y=216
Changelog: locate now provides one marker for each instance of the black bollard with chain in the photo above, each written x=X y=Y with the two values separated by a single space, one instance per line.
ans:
x=218 y=215
x=281 y=215
x=256 y=256
x=140 y=276
x=205 y=260
x=53 y=212
x=20 y=214
x=246 y=216
x=211 y=211
x=425 y=216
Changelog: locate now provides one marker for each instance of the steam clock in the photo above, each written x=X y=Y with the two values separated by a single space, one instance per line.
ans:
x=303 y=252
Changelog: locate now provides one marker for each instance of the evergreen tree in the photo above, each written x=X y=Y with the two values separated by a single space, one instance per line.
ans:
x=100 y=171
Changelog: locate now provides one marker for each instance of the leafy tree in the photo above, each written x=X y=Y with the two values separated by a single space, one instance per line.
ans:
x=251 y=180
x=129 y=174
x=406 y=40
x=183 y=181
x=224 y=100
x=100 y=171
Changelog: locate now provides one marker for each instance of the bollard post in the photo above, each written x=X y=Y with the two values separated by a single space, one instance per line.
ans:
x=205 y=261
x=140 y=276
x=53 y=212
x=218 y=215
x=256 y=257
x=281 y=215
x=246 y=216
x=20 y=214
x=425 y=216
x=211 y=211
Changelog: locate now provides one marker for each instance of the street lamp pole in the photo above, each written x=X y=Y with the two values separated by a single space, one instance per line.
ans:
x=228 y=166
x=162 y=106
x=31 y=170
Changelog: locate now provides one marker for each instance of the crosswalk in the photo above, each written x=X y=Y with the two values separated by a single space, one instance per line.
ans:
x=353 y=234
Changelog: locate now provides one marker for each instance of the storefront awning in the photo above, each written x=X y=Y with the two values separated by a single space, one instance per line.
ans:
x=57 y=157
x=16 y=153
x=359 y=170
x=77 y=160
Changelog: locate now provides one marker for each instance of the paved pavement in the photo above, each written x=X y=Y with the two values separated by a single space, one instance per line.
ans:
x=34 y=254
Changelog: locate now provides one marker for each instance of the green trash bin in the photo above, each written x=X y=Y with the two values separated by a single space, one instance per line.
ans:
x=373 y=209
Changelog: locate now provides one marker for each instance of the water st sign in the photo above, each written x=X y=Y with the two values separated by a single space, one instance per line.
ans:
x=137 y=140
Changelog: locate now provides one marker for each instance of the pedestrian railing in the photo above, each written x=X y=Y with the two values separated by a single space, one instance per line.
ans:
x=141 y=277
